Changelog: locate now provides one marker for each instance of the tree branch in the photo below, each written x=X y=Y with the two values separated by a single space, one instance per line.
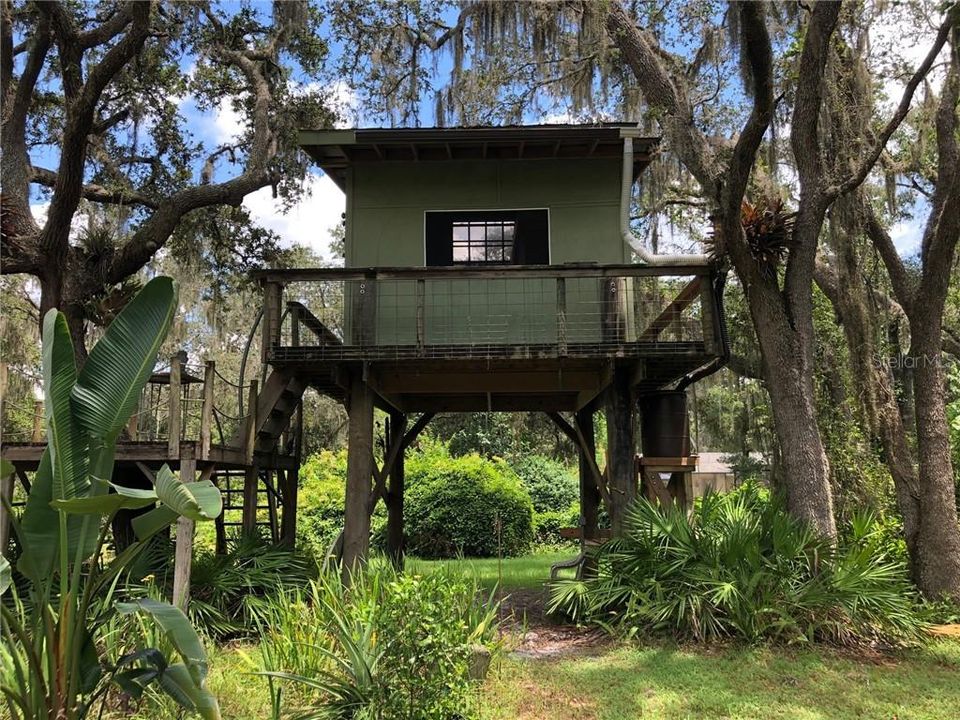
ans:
x=899 y=277
x=870 y=159
x=80 y=116
x=666 y=96
x=95 y=192
x=759 y=54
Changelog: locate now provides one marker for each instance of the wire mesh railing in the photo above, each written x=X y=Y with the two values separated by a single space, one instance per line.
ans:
x=451 y=312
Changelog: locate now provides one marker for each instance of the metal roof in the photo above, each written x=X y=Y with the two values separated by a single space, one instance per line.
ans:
x=336 y=150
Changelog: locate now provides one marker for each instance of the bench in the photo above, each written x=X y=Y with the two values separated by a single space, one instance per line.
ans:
x=576 y=533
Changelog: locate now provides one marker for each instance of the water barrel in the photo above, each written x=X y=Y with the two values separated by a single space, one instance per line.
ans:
x=664 y=428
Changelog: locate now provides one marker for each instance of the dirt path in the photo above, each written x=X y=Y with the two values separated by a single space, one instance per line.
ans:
x=533 y=634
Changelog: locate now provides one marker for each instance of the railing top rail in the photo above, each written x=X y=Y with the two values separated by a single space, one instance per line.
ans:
x=467 y=272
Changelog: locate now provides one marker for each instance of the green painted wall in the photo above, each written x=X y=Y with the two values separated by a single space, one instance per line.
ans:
x=386 y=203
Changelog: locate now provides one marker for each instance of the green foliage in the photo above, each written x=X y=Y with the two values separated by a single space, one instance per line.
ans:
x=320 y=499
x=54 y=665
x=466 y=505
x=547 y=525
x=391 y=646
x=552 y=486
x=741 y=566
x=227 y=589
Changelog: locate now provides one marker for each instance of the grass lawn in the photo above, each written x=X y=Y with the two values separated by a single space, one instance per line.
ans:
x=670 y=683
x=529 y=571
x=662 y=680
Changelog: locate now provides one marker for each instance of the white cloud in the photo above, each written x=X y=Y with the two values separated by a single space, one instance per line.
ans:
x=309 y=222
x=906 y=236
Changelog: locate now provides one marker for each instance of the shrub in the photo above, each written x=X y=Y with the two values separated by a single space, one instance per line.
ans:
x=227 y=588
x=323 y=482
x=392 y=646
x=320 y=500
x=453 y=504
x=547 y=525
x=741 y=566
x=552 y=486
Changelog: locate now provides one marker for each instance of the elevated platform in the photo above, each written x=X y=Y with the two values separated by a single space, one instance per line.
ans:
x=510 y=338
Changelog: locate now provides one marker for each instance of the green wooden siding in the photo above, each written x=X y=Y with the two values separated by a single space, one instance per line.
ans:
x=385 y=227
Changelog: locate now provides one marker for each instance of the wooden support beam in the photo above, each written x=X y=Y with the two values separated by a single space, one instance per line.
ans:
x=6 y=498
x=272 y=515
x=710 y=319
x=673 y=311
x=561 y=317
x=272 y=304
x=586 y=446
x=394 y=497
x=288 y=520
x=173 y=408
x=251 y=487
x=621 y=449
x=206 y=411
x=356 y=531
x=250 y=427
x=589 y=492
x=183 y=555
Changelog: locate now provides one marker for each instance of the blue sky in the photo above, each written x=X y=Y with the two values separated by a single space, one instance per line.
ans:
x=310 y=222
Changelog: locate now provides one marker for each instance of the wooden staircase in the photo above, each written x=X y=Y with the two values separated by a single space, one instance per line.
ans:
x=262 y=488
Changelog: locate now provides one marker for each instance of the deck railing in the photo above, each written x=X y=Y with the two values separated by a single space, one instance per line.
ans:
x=469 y=311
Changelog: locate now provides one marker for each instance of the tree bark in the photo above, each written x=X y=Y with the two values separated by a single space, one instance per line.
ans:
x=788 y=368
x=938 y=537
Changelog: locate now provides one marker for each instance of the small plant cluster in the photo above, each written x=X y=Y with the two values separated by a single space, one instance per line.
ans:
x=740 y=566
x=228 y=588
x=389 y=646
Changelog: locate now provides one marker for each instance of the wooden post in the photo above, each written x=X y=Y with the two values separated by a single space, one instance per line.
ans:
x=6 y=497
x=621 y=448
x=395 y=495
x=356 y=530
x=133 y=424
x=561 y=316
x=421 y=329
x=612 y=311
x=251 y=487
x=288 y=521
x=589 y=493
x=294 y=327
x=250 y=434
x=366 y=330
x=173 y=409
x=206 y=412
x=37 y=434
x=270 y=482
x=183 y=556
x=272 y=302
x=708 y=318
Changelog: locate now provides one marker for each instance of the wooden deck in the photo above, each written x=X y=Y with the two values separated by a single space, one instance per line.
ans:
x=328 y=325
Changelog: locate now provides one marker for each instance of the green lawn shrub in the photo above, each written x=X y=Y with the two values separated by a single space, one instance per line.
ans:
x=552 y=486
x=392 y=646
x=547 y=525
x=740 y=566
x=466 y=505
x=323 y=482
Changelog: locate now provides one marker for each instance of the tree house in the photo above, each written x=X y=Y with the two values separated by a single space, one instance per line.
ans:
x=487 y=270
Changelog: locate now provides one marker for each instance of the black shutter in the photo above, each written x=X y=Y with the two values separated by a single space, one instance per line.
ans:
x=439 y=238
x=531 y=244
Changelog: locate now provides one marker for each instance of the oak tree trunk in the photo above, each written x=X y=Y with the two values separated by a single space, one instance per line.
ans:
x=938 y=537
